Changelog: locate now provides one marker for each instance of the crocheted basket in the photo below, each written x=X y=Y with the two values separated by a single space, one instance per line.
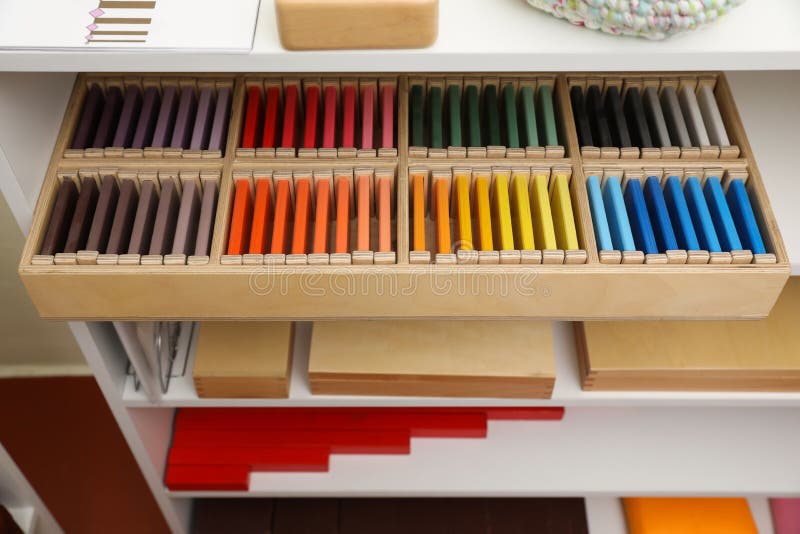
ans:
x=654 y=19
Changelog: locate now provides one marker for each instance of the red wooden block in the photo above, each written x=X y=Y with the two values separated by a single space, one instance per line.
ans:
x=340 y=442
x=530 y=413
x=207 y=478
x=367 y=117
x=290 y=112
x=329 y=124
x=270 y=136
x=349 y=116
x=252 y=118
x=387 y=116
x=312 y=116
x=258 y=459
x=420 y=423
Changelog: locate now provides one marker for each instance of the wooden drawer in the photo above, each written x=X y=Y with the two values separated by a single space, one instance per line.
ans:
x=570 y=279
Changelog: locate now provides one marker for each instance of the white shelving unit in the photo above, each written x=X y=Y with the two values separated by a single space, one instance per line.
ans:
x=609 y=444
x=22 y=501
x=483 y=35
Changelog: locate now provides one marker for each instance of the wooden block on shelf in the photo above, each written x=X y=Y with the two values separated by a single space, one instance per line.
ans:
x=243 y=359
x=326 y=25
x=502 y=359
x=758 y=355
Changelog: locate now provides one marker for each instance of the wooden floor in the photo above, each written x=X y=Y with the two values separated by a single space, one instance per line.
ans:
x=63 y=437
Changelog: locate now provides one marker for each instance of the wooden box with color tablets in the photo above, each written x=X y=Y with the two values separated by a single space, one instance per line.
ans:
x=402 y=195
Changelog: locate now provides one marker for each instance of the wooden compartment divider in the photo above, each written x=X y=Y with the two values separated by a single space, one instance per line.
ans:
x=586 y=284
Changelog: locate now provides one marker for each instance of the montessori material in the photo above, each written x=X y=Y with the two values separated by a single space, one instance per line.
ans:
x=288 y=221
x=132 y=219
x=651 y=116
x=695 y=515
x=524 y=216
x=503 y=117
x=320 y=204
x=440 y=358
x=319 y=117
x=218 y=449
x=136 y=117
x=243 y=360
x=695 y=355
x=663 y=216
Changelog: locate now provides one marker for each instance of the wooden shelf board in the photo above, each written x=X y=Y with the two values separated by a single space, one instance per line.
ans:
x=567 y=390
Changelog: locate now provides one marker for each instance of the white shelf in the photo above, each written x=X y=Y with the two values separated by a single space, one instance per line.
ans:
x=482 y=35
x=22 y=501
x=593 y=451
x=567 y=390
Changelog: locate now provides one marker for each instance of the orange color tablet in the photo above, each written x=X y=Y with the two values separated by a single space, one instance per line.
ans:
x=320 y=245
x=283 y=214
x=262 y=218
x=342 y=216
x=302 y=209
x=362 y=215
x=384 y=215
x=442 y=216
x=240 y=218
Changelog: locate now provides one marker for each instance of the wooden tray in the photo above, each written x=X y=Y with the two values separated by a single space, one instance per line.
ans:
x=433 y=358
x=211 y=289
x=684 y=355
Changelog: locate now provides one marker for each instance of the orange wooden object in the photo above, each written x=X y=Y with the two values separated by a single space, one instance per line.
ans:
x=240 y=219
x=322 y=215
x=362 y=216
x=283 y=214
x=418 y=190
x=342 y=216
x=443 y=216
x=659 y=515
x=262 y=218
x=302 y=214
x=384 y=215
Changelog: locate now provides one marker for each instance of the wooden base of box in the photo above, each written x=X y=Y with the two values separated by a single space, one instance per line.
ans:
x=243 y=360
x=508 y=359
x=630 y=286
x=695 y=356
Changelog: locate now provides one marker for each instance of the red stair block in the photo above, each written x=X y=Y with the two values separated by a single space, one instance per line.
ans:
x=217 y=448
x=255 y=458
x=340 y=442
x=421 y=423
x=207 y=478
